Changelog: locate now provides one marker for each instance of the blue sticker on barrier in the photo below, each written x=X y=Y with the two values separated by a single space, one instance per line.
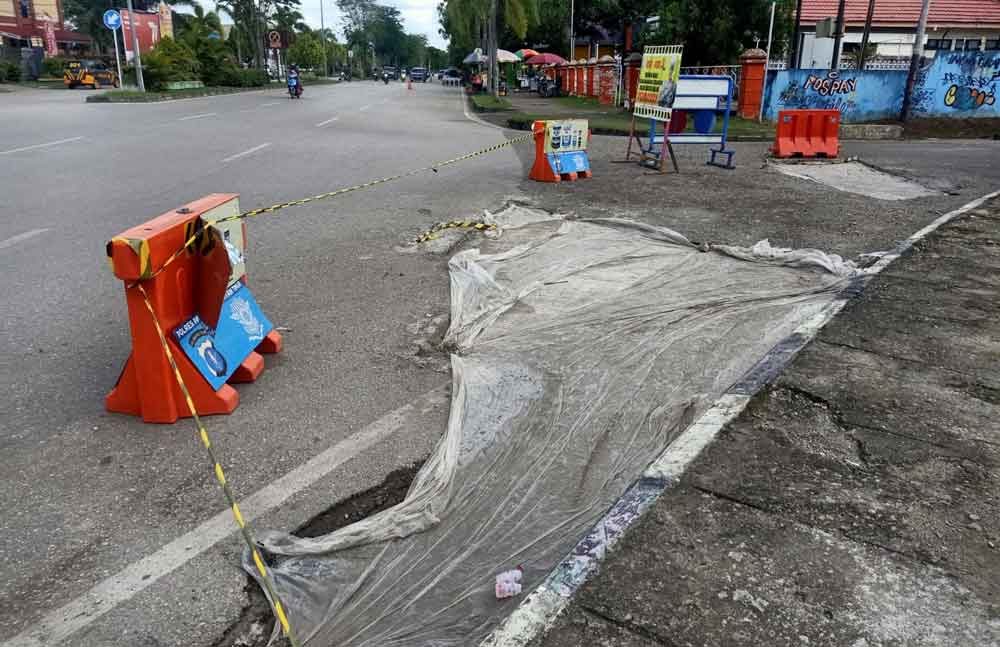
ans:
x=571 y=162
x=217 y=353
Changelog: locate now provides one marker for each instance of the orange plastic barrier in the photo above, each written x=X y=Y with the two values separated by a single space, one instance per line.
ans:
x=561 y=151
x=194 y=283
x=807 y=133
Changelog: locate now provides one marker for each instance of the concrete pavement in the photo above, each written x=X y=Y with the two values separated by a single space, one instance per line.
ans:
x=86 y=494
x=854 y=502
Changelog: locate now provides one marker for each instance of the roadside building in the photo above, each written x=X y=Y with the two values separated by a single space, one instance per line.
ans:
x=39 y=24
x=952 y=25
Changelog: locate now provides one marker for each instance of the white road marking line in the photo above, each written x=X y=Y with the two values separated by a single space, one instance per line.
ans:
x=328 y=121
x=13 y=240
x=364 y=107
x=31 y=148
x=190 y=117
x=246 y=152
x=272 y=103
x=60 y=624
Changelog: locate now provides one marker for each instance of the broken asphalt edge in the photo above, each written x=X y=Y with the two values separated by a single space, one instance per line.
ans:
x=539 y=610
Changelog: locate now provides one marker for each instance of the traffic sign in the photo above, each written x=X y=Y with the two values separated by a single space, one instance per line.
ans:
x=112 y=19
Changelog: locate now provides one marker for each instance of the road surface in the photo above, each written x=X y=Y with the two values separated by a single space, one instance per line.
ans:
x=86 y=495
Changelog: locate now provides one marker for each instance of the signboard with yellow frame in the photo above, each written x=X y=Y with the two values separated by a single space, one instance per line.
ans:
x=661 y=69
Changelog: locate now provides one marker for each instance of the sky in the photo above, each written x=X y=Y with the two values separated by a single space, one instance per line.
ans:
x=419 y=17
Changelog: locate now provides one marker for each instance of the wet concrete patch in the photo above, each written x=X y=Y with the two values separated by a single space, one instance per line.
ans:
x=855 y=177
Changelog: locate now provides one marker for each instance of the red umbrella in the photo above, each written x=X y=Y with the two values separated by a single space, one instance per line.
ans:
x=545 y=59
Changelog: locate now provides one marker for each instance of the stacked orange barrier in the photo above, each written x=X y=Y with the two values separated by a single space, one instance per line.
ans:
x=189 y=283
x=807 y=133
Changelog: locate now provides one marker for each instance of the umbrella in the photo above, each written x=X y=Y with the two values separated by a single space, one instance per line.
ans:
x=544 y=59
x=525 y=53
x=475 y=57
x=503 y=56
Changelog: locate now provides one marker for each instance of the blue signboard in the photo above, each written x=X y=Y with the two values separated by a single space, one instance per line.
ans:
x=572 y=162
x=112 y=19
x=217 y=353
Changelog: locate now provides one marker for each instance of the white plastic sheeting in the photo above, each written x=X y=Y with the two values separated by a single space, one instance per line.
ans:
x=578 y=356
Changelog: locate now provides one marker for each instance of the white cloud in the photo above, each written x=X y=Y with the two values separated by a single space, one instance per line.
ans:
x=419 y=17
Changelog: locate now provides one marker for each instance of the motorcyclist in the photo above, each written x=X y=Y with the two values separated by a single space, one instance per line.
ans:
x=293 y=75
x=385 y=76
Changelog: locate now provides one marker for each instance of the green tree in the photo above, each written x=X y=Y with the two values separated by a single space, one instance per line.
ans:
x=307 y=51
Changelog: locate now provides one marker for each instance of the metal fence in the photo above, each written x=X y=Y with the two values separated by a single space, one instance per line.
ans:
x=732 y=71
x=881 y=63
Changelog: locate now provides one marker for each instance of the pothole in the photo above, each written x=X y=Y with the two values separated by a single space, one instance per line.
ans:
x=253 y=627
x=856 y=177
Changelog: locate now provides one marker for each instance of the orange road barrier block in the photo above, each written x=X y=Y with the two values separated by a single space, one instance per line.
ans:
x=807 y=133
x=561 y=150
x=202 y=305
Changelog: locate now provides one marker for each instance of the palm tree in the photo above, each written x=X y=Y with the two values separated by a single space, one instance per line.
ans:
x=469 y=17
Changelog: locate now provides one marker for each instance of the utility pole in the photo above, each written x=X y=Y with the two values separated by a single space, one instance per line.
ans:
x=839 y=36
x=572 y=31
x=767 y=61
x=794 y=63
x=867 y=34
x=135 y=48
x=322 y=40
x=918 y=54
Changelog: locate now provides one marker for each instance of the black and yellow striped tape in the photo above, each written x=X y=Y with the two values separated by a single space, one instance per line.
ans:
x=432 y=233
x=220 y=476
x=332 y=194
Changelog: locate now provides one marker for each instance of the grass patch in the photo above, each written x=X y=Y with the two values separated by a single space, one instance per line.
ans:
x=617 y=122
x=44 y=84
x=489 y=103
x=135 y=96
x=953 y=128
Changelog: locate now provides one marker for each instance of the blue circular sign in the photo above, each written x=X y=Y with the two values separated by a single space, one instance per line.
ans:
x=112 y=19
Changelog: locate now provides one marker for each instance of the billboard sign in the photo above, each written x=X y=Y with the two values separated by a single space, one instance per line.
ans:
x=661 y=69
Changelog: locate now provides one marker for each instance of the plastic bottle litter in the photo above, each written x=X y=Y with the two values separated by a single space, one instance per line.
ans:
x=509 y=583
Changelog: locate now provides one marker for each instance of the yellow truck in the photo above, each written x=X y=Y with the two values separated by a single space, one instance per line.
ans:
x=92 y=73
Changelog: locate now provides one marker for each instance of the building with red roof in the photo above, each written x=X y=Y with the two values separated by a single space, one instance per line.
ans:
x=952 y=25
x=23 y=24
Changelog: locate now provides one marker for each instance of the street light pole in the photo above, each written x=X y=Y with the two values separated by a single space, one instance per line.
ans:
x=867 y=34
x=572 y=31
x=322 y=40
x=839 y=36
x=918 y=53
x=135 y=48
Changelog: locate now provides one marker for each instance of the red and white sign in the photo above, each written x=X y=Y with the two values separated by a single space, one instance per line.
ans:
x=51 y=48
x=147 y=29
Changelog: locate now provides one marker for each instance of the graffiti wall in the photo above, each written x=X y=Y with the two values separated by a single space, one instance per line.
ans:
x=959 y=84
x=860 y=96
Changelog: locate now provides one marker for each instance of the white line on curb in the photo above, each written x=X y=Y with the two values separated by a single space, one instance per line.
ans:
x=328 y=121
x=46 y=145
x=541 y=607
x=13 y=240
x=246 y=152
x=204 y=114
x=60 y=624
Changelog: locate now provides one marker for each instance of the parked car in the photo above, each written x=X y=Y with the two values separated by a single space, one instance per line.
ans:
x=452 y=76
x=92 y=73
x=440 y=75
x=418 y=74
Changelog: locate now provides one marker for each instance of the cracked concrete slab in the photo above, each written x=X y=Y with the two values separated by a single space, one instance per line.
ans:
x=855 y=501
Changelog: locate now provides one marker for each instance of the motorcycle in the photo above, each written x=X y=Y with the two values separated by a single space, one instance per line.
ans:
x=294 y=87
x=385 y=78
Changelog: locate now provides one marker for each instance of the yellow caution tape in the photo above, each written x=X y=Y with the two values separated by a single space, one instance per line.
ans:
x=432 y=233
x=332 y=194
x=221 y=478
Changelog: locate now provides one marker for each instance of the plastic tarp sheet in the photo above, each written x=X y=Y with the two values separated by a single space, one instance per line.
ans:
x=579 y=352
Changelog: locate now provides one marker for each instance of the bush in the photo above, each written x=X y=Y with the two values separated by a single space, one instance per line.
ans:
x=9 y=72
x=234 y=77
x=168 y=61
x=53 y=67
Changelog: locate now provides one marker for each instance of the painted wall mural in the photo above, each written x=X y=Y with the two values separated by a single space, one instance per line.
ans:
x=859 y=95
x=957 y=84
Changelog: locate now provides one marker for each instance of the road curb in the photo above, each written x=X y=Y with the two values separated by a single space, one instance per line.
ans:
x=541 y=607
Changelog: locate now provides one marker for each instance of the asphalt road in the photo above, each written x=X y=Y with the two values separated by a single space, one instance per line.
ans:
x=86 y=495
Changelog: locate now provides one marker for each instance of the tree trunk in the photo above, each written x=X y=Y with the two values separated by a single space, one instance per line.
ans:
x=492 y=52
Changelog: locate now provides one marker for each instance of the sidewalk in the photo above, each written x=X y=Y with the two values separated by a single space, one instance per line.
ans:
x=856 y=502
